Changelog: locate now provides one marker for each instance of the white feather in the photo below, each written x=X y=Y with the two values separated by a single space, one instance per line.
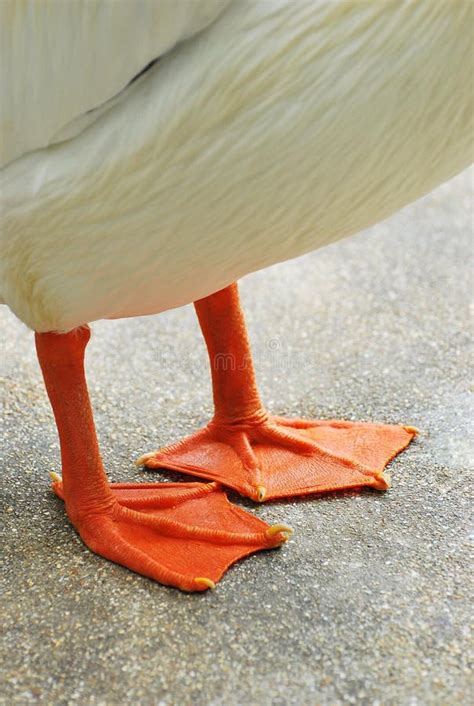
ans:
x=280 y=128
x=61 y=59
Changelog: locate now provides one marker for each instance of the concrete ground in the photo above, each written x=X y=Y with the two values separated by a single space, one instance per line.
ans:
x=368 y=603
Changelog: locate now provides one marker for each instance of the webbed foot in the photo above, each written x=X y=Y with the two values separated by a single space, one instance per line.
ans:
x=180 y=534
x=279 y=457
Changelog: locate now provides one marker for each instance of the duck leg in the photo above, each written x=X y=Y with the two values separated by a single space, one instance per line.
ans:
x=180 y=534
x=261 y=455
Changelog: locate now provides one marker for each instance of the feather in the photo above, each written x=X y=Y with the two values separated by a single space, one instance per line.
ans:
x=282 y=127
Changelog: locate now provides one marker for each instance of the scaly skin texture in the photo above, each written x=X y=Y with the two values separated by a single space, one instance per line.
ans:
x=263 y=456
x=180 y=534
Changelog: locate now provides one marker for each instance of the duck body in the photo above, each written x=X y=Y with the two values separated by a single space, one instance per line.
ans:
x=280 y=128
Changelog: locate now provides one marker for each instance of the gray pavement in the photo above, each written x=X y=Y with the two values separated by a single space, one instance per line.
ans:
x=368 y=603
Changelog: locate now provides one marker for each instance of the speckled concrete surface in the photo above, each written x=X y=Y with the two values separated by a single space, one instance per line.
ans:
x=368 y=603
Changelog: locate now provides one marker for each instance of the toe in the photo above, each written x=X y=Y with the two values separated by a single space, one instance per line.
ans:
x=287 y=439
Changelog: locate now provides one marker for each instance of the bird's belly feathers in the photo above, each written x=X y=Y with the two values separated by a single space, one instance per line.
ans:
x=283 y=127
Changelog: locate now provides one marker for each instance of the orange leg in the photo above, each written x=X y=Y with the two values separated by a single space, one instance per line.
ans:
x=180 y=534
x=261 y=455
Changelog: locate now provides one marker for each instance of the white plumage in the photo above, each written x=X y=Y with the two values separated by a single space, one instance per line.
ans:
x=63 y=60
x=281 y=127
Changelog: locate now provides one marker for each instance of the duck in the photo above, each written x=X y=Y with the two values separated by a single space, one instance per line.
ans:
x=152 y=154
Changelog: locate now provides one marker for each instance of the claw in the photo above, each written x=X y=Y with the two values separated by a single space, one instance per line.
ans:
x=205 y=582
x=55 y=477
x=261 y=493
x=284 y=530
x=141 y=461
x=411 y=430
x=384 y=481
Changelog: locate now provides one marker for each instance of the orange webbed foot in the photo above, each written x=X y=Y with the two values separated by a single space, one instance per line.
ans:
x=180 y=534
x=281 y=457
